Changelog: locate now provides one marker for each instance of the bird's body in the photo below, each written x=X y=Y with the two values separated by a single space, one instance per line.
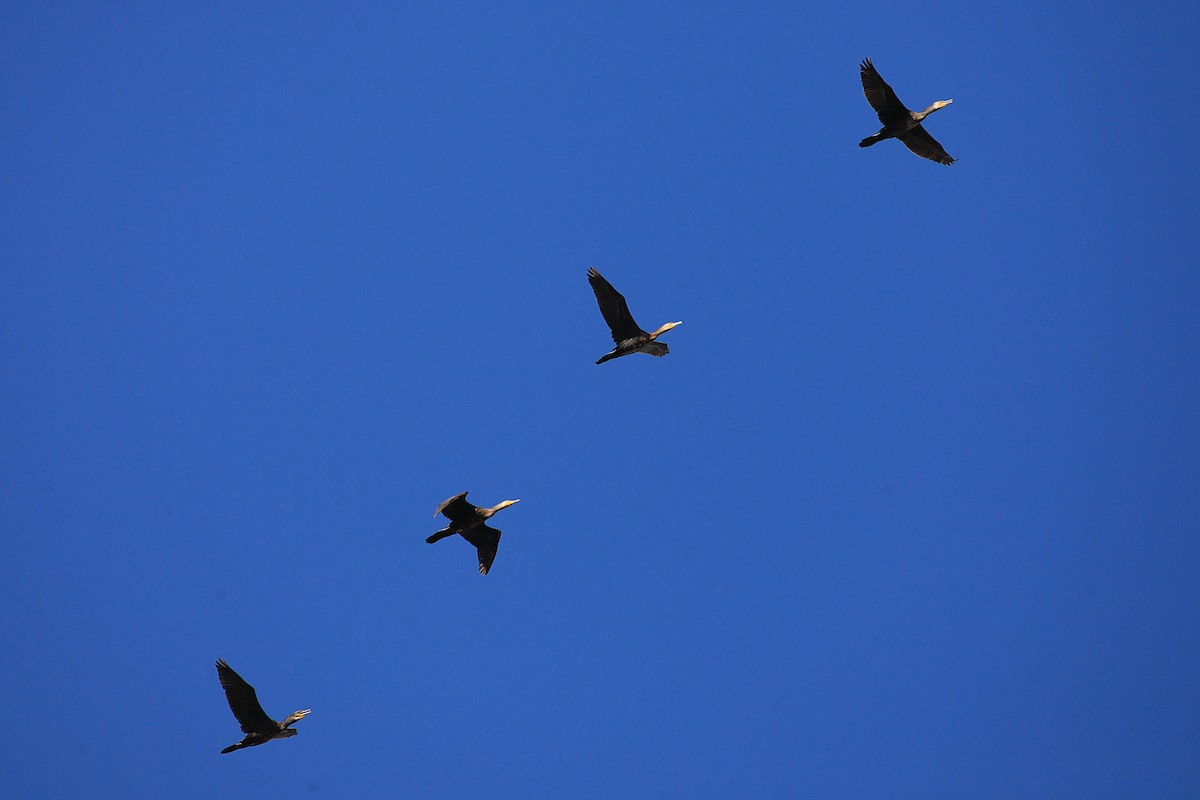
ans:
x=243 y=702
x=626 y=333
x=469 y=522
x=898 y=121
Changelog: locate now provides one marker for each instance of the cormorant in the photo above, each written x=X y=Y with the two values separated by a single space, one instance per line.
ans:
x=897 y=120
x=626 y=333
x=468 y=521
x=258 y=727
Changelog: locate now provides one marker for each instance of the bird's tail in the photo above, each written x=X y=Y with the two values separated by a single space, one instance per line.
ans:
x=606 y=357
x=233 y=747
x=870 y=140
x=442 y=534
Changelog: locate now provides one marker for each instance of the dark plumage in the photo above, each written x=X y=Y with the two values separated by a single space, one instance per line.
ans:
x=468 y=521
x=243 y=702
x=626 y=333
x=898 y=121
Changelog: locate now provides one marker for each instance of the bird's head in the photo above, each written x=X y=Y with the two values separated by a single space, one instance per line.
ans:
x=506 y=504
x=939 y=104
x=296 y=717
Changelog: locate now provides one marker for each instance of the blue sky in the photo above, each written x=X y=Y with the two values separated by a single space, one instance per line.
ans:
x=910 y=509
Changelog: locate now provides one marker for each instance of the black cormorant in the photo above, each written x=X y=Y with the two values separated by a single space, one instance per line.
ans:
x=258 y=727
x=468 y=521
x=898 y=121
x=626 y=333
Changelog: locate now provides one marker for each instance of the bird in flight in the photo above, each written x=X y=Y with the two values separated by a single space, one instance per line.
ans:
x=469 y=522
x=243 y=702
x=898 y=121
x=626 y=333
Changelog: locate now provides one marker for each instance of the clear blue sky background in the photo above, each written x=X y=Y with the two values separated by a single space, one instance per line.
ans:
x=910 y=510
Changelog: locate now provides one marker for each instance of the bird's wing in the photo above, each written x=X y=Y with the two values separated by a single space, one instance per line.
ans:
x=614 y=308
x=486 y=541
x=920 y=142
x=456 y=508
x=243 y=702
x=879 y=94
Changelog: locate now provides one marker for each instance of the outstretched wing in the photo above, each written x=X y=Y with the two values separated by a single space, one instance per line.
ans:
x=243 y=702
x=879 y=94
x=920 y=142
x=486 y=541
x=456 y=508
x=614 y=308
